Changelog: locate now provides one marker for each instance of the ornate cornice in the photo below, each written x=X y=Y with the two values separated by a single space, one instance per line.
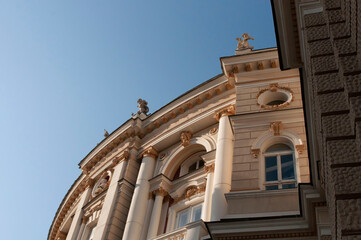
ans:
x=230 y=110
x=150 y=152
x=89 y=183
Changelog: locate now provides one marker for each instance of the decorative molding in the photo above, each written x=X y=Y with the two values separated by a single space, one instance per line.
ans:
x=150 y=152
x=230 y=110
x=274 y=87
x=276 y=127
x=213 y=131
x=89 y=183
x=185 y=137
x=255 y=152
x=85 y=219
x=160 y=192
x=162 y=156
x=209 y=168
x=300 y=148
x=123 y=157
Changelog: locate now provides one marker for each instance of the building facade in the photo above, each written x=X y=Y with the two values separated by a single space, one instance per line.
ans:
x=226 y=160
x=323 y=39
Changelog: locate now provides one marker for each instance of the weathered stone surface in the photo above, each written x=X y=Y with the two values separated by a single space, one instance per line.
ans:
x=343 y=151
x=321 y=47
x=314 y=19
x=337 y=126
x=353 y=83
x=333 y=102
x=327 y=82
x=347 y=180
x=317 y=33
x=323 y=64
x=349 y=214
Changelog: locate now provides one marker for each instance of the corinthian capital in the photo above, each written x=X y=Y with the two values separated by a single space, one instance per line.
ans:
x=209 y=168
x=160 y=192
x=150 y=152
x=230 y=110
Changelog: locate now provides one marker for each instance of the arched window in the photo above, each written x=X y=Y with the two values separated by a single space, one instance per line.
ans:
x=279 y=167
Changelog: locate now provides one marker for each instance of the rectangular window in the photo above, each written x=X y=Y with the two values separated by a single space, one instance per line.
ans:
x=188 y=215
x=279 y=170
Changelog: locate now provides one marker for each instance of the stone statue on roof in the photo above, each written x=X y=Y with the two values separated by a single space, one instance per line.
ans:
x=143 y=106
x=243 y=43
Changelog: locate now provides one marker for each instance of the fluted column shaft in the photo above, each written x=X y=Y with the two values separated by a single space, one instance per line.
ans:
x=208 y=194
x=138 y=206
x=223 y=165
x=100 y=231
x=160 y=193
x=75 y=224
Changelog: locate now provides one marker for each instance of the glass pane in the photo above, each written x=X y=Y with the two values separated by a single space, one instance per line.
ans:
x=287 y=167
x=182 y=218
x=271 y=168
x=201 y=163
x=197 y=212
x=286 y=186
x=278 y=147
x=192 y=167
x=274 y=187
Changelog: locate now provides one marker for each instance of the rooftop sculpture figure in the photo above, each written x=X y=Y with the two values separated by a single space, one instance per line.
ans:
x=143 y=106
x=243 y=43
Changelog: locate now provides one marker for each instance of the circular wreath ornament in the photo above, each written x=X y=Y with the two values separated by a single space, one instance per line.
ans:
x=274 y=97
x=102 y=183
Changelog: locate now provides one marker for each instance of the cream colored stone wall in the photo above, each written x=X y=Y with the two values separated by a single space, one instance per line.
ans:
x=247 y=172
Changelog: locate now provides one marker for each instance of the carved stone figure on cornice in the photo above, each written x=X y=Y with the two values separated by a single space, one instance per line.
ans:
x=185 y=138
x=106 y=134
x=243 y=43
x=150 y=152
x=225 y=112
x=276 y=127
x=143 y=106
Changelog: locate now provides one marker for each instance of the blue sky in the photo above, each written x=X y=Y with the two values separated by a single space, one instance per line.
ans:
x=69 y=69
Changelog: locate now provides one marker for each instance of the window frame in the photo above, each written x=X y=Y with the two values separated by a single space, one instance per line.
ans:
x=190 y=210
x=280 y=182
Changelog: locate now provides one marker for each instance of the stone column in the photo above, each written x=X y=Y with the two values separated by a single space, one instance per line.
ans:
x=138 y=206
x=223 y=164
x=209 y=169
x=160 y=193
x=148 y=214
x=110 y=199
x=82 y=227
x=75 y=224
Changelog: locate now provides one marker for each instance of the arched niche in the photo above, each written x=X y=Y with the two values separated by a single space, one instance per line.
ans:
x=180 y=155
